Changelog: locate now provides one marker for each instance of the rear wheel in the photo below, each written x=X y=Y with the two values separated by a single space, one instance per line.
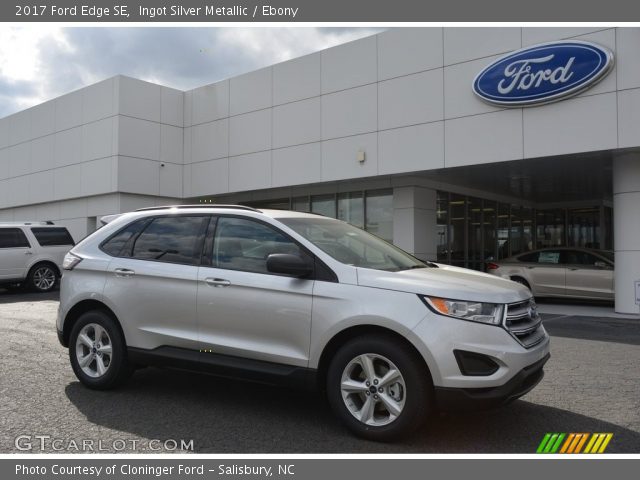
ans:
x=379 y=388
x=97 y=351
x=42 y=277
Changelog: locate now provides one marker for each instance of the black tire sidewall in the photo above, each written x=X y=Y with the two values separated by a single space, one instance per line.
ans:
x=418 y=403
x=119 y=366
x=30 y=280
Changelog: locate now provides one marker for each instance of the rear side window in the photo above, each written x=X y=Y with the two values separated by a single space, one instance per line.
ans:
x=49 y=237
x=115 y=246
x=13 y=238
x=171 y=240
x=529 y=257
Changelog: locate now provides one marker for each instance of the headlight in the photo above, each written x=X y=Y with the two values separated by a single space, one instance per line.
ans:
x=489 y=313
x=70 y=261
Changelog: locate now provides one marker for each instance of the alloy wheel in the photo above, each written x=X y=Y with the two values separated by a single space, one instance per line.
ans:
x=373 y=389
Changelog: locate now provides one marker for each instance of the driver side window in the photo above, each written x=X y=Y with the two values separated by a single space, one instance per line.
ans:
x=242 y=244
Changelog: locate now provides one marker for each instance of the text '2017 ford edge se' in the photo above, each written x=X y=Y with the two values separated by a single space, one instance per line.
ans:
x=290 y=297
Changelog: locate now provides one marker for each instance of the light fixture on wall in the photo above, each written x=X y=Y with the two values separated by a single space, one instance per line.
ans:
x=361 y=156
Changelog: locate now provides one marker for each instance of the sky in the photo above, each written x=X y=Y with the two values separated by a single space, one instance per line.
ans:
x=41 y=62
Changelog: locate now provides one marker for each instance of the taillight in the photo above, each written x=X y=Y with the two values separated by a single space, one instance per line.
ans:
x=70 y=261
x=492 y=266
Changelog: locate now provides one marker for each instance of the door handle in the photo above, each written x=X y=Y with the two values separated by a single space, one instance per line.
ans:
x=573 y=269
x=217 y=282
x=124 y=272
x=530 y=267
x=28 y=253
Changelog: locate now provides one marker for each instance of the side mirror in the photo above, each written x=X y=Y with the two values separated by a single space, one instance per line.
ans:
x=288 y=264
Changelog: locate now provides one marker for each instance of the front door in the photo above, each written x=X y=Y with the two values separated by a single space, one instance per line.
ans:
x=246 y=311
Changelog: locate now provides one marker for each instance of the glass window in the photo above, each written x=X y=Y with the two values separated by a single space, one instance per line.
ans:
x=242 y=244
x=277 y=204
x=379 y=208
x=171 y=239
x=115 y=246
x=351 y=208
x=442 y=227
x=13 y=238
x=458 y=239
x=504 y=213
x=351 y=245
x=475 y=247
x=584 y=227
x=489 y=228
x=324 y=205
x=48 y=237
x=300 y=204
x=550 y=228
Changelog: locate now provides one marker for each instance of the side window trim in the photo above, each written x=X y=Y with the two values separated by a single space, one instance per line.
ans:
x=127 y=249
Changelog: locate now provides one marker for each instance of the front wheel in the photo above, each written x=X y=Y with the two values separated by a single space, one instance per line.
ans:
x=379 y=388
x=97 y=351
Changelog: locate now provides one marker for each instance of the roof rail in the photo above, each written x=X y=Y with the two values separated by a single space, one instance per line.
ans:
x=35 y=222
x=208 y=205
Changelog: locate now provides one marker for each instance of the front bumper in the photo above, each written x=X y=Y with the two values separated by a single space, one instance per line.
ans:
x=453 y=399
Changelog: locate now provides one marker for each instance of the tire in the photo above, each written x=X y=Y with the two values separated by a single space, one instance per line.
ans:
x=42 y=278
x=403 y=405
x=97 y=338
x=521 y=281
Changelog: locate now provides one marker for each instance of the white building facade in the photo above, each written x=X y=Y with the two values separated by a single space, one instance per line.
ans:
x=384 y=132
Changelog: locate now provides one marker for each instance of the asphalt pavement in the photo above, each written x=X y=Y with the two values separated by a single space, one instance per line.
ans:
x=592 y=384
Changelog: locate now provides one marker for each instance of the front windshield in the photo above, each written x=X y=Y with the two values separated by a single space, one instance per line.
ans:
x=351 y=245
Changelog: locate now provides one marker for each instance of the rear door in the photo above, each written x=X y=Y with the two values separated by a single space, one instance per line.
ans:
x=588 y=276
x=152 y=280
x=15 y=253
x=244 y=310
x=548 y=273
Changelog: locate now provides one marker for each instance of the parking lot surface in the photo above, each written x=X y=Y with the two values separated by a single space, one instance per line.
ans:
x=592 y=384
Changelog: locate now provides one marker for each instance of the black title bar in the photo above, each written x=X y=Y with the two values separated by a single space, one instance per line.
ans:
x=319 y=11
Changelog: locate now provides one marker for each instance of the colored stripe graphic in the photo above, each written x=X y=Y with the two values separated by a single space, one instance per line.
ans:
x=573 y=443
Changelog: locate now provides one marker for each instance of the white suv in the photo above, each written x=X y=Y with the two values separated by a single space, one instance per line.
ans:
x=31 y=253
x=289 y=297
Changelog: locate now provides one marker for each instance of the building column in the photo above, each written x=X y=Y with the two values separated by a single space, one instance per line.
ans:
x=414 y=221
x=626 y=230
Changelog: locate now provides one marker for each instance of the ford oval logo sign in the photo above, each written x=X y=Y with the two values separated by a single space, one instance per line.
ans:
x=543 y=73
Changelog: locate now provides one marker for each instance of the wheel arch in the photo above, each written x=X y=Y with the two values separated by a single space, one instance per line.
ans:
x=78 y=310
x=342 y=337
x=44 y=261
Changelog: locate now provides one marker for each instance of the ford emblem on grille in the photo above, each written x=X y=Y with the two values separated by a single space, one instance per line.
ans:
x=543 y=73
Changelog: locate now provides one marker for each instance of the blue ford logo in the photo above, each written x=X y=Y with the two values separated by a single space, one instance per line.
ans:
x=543 y=73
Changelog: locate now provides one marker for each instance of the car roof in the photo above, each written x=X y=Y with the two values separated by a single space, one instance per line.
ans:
x=38 y=223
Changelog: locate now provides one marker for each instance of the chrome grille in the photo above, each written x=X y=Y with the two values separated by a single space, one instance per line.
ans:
x=524 y=324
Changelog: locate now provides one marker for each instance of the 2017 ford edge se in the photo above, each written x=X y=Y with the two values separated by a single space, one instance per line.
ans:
x=290 y=297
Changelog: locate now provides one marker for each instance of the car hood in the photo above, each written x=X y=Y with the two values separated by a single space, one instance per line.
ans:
x=446 y=281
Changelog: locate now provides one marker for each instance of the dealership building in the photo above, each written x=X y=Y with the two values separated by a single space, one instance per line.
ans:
x=385 y=132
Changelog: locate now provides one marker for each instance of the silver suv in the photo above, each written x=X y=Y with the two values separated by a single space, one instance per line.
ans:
x=31 y=253
x=289 y=297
